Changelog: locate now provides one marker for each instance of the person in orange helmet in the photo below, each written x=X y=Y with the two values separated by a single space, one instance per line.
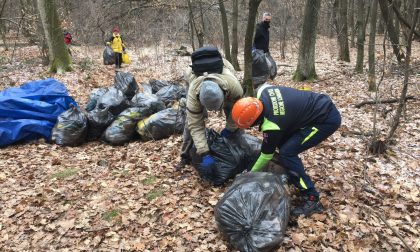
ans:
x=292 y=121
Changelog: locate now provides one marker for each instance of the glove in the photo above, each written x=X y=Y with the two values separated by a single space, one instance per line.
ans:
x=208 y=161
x=226 y=133
x=108 y=43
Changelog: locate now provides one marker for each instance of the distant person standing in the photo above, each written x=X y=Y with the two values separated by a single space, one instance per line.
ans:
x=117 y=44
x=262 y=34
x=67 y=40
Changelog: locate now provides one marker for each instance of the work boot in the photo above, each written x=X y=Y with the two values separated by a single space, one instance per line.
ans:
x=182 y=164
x=310 y=205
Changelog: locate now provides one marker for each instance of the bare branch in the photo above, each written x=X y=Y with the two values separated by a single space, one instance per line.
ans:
x=363 y=103
x=402 y=19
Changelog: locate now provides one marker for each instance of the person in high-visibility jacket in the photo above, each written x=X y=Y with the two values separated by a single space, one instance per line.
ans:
x=117 y=44
x=292 y=121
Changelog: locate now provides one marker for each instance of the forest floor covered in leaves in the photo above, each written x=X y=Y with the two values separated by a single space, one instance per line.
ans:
x=101 y=197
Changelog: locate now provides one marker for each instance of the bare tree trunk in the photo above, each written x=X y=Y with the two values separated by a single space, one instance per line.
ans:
x=202 y=17
x=408 y=12
x=283 y=41
x=401 y=19
x=306 y=61
x=225 y=27
x=58 y=54
x=391 y=29
x=351 y=24
x=343 y=43
x=199 y=33
x=333 y=18
x=360 y=35
x=397 y=4
x=234 y=52
x=252 y=14
x=192 y=25
x=202 y=31
x=381 y=28
x=372 y=36
x=3 y=26
x=200 y=37
x=191 y=32
x=396 y=119
x=43 y=46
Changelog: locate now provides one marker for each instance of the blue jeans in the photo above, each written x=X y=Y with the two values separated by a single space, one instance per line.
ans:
x=302 y=140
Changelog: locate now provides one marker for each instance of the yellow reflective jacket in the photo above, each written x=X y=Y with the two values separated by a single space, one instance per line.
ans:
x=117 y=44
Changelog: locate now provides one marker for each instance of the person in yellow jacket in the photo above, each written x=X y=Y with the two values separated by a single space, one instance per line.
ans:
x=208 y=92
x=117 y=45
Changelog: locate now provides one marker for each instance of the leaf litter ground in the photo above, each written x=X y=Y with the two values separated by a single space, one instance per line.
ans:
x=100 y=197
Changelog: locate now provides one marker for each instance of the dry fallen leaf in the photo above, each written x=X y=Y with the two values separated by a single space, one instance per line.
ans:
x=298 y=238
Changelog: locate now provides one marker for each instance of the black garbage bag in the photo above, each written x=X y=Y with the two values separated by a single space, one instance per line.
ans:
x=171 y=93
x=123 y=128
x=250 y=144
x=162 y=124
x=99 y=119
x=151 y=102
x=260 y=70
x=254 y=212
x=93 y=98
x=108 y=56
x=147 y=89
x=115 y=100
x=126 y=83
x=271 y=65
x=158 y=84
x=230 y=157
x=252 y=147
x=71 y=127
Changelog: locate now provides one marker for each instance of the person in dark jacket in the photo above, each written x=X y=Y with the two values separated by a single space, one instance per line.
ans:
x=262 y=34
x=117 y=44
x=292 y=121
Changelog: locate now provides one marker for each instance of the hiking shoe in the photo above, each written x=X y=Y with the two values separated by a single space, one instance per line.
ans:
x=310 y=205
x=182 y=164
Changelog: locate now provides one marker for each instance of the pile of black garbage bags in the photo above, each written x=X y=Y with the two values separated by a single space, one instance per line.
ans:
x=121 y=113
x=254 y=211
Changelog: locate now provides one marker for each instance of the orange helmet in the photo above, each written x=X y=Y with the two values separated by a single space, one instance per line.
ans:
x=246 y=111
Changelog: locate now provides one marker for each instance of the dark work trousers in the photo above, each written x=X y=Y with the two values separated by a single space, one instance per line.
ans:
x=118 y=60
x=302 y=140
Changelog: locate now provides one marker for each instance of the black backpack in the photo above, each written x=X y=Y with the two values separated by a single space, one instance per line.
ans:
x=206 y=59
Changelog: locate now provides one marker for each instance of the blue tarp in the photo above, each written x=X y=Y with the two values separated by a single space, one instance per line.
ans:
x=30 y=111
